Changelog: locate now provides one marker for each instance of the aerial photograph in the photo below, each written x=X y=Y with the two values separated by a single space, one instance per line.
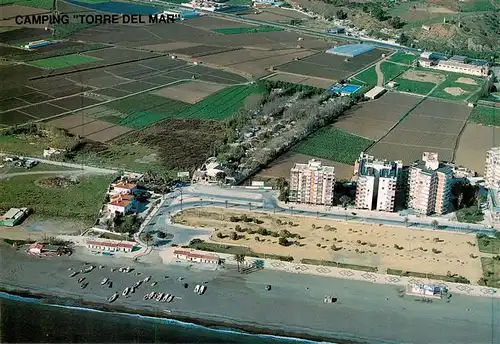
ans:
x=250 y=171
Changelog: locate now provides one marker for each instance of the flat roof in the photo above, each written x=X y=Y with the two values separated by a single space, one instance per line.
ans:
x=375 y=91
x=111 y=243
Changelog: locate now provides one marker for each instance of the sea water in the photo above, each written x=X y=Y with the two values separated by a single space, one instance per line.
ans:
x=26 y=320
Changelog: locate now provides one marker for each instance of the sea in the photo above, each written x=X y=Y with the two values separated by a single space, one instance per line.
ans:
x=29 y=320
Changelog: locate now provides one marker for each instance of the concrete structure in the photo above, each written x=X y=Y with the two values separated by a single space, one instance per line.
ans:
x=377 y=183
x=110 y=245
x=122 y=203
x=123 y=188
x=35 y=248
x=492 y=168
x=336 y=29
x=46 y=249
x=48 y=152
x=312 y=183
x=461 y=64
x=13 y=216
x=196 y=257
x=375 y=92
x=429 y=185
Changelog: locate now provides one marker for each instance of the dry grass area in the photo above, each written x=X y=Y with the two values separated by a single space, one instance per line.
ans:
x=422 y=76
x=189 y=92
x=455 y=91
x=354 y=243
x=467 y=81
x=297 y=79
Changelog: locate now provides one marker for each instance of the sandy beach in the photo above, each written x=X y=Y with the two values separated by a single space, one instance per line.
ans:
x=355 y=243
x=364 y=311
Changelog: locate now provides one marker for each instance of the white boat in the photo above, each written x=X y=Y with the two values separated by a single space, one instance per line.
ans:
x=113 y=297
x=164 y=298
x=170 y=298
x=147 y=279
x=152 y=295
x=127 y=269
x=81 y=279
x=121 y=269
x=88 y=269
x=101 y=266
x=154 y=283
x=73 y=274
x=197 y=288
x=104 y=281
x=137 y=284
x=159 y=297
x=113 y=269
x=202 y=290
x=146 y=297
x=125 y=291
x=132 y=290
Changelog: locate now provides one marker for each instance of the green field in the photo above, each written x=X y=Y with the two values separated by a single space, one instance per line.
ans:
x=477 y=6
x=81 y=201
x=391 y=70
x=368 y=76
x=451 y=81
x=404 y=58
x=488 y=244
x=491 y=271
x=486 y=116
x=333 y=144
x=47 y=4
x=242 y=30
x=417 y=87
x=63 y=61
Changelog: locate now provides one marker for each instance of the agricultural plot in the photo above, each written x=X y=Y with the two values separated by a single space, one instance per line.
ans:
x=474 y=142
x=373 y=119
x=90 y=128
x=209 y=22
x=12 y=103
x=75 y=102
x=297 y=79
x=70 y=121
x=391 y=70
x=245 y=30
x=403 y=58
x=418 y=81
x=15 y=117
x=63 y=61
x=457 y=87
x=485 y=115
x=43 y=110
x=333 y=144
x=199 y=50
x=368 y=76
x=188 y=92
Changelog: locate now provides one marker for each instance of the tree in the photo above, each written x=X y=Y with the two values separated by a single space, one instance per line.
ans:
x=379 y=14
x=220 y=176
x=233 y=236
x=403 y=39
x=280 y=183
x=219 y=235
x=345 y=200
x=148 y=238
x=434 y=224
x=396 y=22
x=341 y=14
x=283 y=241
x=239 y=258
x=406 y=220
x=161 y=235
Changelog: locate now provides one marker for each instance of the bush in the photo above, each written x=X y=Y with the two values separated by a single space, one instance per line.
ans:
x=234 y=219
x=263 y=231
x=219 y=235
x=233 y=236
x=436 y=251
x=283 y=241
x=239 y=229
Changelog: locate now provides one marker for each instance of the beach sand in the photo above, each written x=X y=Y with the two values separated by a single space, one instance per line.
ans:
x=375 y=244
x=294 y=305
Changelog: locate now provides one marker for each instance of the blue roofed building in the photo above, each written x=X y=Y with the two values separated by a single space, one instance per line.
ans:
x=350 y=50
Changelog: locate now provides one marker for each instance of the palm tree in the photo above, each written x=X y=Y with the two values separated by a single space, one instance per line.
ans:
x=225 y=202
x=239 y=258
x=148 y=238
x=317 y=214
x=274 y=209
x=250 y=206
x=434 y=224
x=406 y=220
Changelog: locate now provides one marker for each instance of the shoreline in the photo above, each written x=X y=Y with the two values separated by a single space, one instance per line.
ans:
x=216 y=325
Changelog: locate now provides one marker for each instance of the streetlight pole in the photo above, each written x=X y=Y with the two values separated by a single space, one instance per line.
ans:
x=181 y=199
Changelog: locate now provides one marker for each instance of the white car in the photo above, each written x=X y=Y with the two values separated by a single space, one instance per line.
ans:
x=197 y=288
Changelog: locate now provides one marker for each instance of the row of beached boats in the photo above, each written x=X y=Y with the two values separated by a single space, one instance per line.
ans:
x=160 y=297
x=200 y=289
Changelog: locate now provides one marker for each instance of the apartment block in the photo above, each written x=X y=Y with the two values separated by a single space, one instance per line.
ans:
x=429 y=185
x=377 y=183
x=492 y=168
x=312 y=183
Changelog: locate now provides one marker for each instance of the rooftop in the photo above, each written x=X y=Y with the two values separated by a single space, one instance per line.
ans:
x=14 y=213
x=122 y=185
x=195 y=255
x=111 y=243
x=313 y=165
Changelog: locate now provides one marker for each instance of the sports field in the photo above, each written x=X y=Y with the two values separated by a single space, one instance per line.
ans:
x=64 y=61
x=403 y=58
x=368 y=76
x=486 y=116
x=333 y=144
x=391 y=70
x=242 y=30
x=457 y=86
x=413 y=86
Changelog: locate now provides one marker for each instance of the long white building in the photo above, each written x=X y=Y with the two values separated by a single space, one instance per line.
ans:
x=312 y=183
x=377 y=183
x=492 y=168
x=457 y=64
x=429 y=185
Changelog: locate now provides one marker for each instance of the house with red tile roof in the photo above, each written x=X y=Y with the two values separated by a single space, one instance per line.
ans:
x=110 y=245
x=196 y=257
x=121 y=203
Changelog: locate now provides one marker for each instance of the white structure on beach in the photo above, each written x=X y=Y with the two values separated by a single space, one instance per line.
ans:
x=196 y=257
x=110 y=245
x=377 y=182
x=429 y=185
x=312 y=183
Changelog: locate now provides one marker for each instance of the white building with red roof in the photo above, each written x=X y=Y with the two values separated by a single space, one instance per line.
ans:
x=110 y=245
x=121 y=203
x=35 y=248
x=123 y=187
x=196 y=257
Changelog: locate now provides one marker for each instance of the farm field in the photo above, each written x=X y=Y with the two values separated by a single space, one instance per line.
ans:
x=333 y=144
x=63 y=61
x=373 y=119
x=367 y=77
x=242 y=30
x=432 y=126
x=486 y=116
x=401 y=57
x=474 y=142
x=78 y=201
x=369 y=245
x=330 y=66
x=45 y=4
x=457 y=86
x=418 y=81
x=296 y=79
x=391 y=70
x=282 y=165
x=188 y=92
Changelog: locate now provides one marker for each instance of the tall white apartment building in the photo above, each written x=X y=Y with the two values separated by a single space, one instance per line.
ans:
x=377 y=183
x=492 y=168
x=429 y=185
x=312 y=183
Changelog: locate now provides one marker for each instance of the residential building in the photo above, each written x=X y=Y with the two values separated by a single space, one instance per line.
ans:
x=377 y=183
x=110 y=245
x=46 y=249
x=461 y=64
x=312 y=183
x=13 y=216
x=122 y=187
x=429 y=185
x=492 y=168
x=121 y=203
x=196 y=257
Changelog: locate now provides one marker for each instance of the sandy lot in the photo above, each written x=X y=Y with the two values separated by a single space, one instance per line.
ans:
x=36 y=228
x=373 y=245
x=71 y=121
x=435 y=10
x=422 y=76
x=169 y=46
x=467 y=81
x=281 y=167
x=315 y=82
x=108 y=134
x=474 y=142
x=189 y=92
x=455 y=91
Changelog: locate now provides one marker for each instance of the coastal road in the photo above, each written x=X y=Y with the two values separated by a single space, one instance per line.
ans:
x=364 y=312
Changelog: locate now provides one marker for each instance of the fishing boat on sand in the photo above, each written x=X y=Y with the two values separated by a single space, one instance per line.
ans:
x=164 y=298
x=170 y=298
x=202 y=290
x=159 y=297
x=113 y=297
x=146 y=297
x=104 y=281
x=73 y=274
x=125 y=291
x=81 y=279
x=88 y=269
